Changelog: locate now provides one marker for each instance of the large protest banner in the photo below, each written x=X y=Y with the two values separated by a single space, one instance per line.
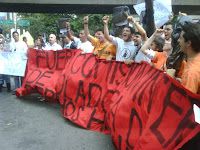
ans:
x=140 y=106
x=12 y=63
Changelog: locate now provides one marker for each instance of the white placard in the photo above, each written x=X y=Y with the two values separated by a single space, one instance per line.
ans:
x=12 y=63
x=161 y=12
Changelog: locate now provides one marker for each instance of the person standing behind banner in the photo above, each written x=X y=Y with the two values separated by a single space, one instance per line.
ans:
x=189 y=41
x=3 y=77
x=18 y=47
x=126 y=50
x=168 y=29
x=155 y=53
x=52 y=45
x=103 y=49
x=39 y=44
x=81 y=42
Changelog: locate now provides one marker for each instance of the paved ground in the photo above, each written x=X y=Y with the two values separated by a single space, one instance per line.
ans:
x=29 y=124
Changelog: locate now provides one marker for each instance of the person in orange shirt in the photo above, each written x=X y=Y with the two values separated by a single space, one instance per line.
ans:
x=155 y=53
x=103 y=49
x=189 y=43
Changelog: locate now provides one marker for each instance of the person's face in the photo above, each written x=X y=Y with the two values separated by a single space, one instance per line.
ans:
x=137 y=39
x=52 y=39
x=99 y=35
x=153 y=46
x=38 y=42
x=126 y=34
x=82 y=36
x=16 y=37
x=168 y=31
x=182 y=42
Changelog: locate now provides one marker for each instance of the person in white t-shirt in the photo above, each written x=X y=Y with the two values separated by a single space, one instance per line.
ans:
x=126 y=50
x=52 y=45
x=18 y=47
x=81 y=42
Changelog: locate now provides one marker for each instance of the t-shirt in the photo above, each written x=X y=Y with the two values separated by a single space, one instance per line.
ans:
x=191 y=75
x=86 y=47
x=157 y=58
x=19 y=47
x=54 y=47
x=125 y=50
x=103 y=49
x=141 y=57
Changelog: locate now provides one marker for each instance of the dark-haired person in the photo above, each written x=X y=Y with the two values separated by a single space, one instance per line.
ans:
x=168 y=29
x=126 y=50
x=189 y=41
x=18 y=47
x=153 y=49
x=102 y=47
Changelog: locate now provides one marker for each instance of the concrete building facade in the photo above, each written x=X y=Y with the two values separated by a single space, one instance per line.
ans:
x=88 y=6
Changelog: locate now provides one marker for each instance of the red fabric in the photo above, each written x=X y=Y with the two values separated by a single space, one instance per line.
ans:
x=140 y=106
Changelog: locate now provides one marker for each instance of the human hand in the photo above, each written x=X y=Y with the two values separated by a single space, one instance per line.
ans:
x=106 y=19
x=85 y=20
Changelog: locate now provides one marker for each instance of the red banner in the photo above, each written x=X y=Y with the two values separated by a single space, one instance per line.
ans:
x=139 y=105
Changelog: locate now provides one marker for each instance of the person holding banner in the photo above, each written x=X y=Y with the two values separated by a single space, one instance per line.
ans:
x=18 y=47
x=126 y=50
x=189 y=43
x=52 y=45
x=3 y=77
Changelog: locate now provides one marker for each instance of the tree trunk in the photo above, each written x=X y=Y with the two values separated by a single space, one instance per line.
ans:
x=149 y=16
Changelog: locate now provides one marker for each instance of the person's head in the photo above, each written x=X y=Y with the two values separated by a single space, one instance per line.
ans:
x=137 y=38
x=82 y=36
x=15 y=35
x=190 y=37
x=39 y=42
x=2 y=39
x=99 y=35
x=65 y=39
x=52 y=39
x=168 y=29
x=157 y=44
x=24 y=39
x=127 y=33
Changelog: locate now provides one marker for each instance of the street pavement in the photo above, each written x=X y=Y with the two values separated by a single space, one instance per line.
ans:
x=30 y=124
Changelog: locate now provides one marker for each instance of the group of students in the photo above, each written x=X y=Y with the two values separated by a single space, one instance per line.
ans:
x=132 y=45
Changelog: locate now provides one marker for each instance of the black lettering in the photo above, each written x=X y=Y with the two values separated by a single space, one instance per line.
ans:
x=46 y=74
x=97 y=90
x=34 y=75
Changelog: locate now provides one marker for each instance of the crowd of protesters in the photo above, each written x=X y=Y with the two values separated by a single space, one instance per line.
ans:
x=132 y=45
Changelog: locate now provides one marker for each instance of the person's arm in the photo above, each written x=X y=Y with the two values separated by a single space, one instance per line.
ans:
x=138 y=27
x=106 y=31
x=69 y=34
x=86 y=29
x=147 y=44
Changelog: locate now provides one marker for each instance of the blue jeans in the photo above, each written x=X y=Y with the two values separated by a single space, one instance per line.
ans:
x=17 y=81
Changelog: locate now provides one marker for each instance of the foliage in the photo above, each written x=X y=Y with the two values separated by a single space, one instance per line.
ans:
x=48 y=23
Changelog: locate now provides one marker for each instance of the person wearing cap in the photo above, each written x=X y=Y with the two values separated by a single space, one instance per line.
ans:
x=3 y=77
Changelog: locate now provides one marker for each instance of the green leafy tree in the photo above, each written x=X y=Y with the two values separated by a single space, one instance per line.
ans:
x=48 y=23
